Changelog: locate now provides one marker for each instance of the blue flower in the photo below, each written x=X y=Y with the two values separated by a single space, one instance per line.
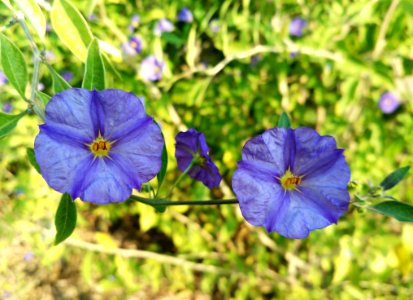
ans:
x=297 y=26
x=192 y=147
x=151 y=68
x=134 y=23
x=7 y=107
x=185 y=15
x=133 y=46
x=388 y=103
x=98 y=145
x=3 y=79
x=67 y=75
x=292 y=181
x=164 y=25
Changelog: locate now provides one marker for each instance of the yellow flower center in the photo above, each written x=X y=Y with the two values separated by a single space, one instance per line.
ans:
x=289 y=181
x=100 y=147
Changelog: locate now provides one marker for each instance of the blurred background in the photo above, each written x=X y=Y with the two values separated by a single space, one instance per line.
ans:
x=229 y=69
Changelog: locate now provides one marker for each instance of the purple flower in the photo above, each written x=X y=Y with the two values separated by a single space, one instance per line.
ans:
x=133 y=46
x=6 y=295
x=98 y=145
x=292 y=181
x=134 y=23
x=388 y=103
x=151 y=68
x=92 y=17
x=3 y=78
x=7 y=107
x=40 y=86
x=49 y=55
x=28 y=256
x=185 y=15
x=164 y=25
x=191 y=147
x=297 y=26
x=67 y=75
x=214 y=26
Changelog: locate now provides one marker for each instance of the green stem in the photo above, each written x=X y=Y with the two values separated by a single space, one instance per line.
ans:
x=34 y=103
x=163 y=202
x=180 y=178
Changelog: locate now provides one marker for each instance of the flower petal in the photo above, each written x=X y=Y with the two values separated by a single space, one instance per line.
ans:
x=71 y=109
x=139 y=154
x=122 y=112
x=104 y=183
x=256 y=195
x=59 y=161
x=313 y=151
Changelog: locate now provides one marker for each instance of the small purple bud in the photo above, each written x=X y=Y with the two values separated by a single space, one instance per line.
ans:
x=297 y=26
x=388 y=103
x=7 y=107
x=164 y=25
x=214 y=26
x=28 y=256
x=185 y=15
x=40 y=86
x=92 y=17
x=67 y=75
x=3 y=78
x=49 y=55
x=6 y=294
x=134 y=23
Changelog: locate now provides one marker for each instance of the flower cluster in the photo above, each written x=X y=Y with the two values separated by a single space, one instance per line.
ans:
x=99 y=145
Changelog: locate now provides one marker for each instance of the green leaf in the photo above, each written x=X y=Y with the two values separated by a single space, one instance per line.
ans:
x=59 y=84
x=32 y=159
x=9 y=122
x=284 y=121
x=192 y=50
x=65 y=220
x=394 y=178
x=401 y=211
x=161 y=174
x=71 y=27
x=43 y=97
x=34 y=14
x=94 y=77
x=14 y=65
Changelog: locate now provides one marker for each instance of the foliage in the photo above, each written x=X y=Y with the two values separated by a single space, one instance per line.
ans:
x=230 y=74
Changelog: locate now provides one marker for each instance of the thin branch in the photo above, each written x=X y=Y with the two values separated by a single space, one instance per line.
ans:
x=172 y=260
x=163 y=202
x=381 y=39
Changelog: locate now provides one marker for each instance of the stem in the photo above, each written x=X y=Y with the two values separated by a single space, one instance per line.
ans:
x=33 y=101
x=163 y=202
x=381 y=40
x=180 y=178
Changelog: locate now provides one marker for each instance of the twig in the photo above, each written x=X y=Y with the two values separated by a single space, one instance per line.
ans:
x=381 y=39
x=172 y=260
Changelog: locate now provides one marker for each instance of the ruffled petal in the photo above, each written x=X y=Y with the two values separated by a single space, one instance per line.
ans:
x=104 y=183
x=313 y=152
x=273 y=146
x=121 y=112
x=71 y=110
x=59 y=161
x=256 y=195
x=207 y=174
x=139 y=154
